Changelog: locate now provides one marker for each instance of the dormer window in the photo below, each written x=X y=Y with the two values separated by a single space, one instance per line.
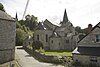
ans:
x=97 y=38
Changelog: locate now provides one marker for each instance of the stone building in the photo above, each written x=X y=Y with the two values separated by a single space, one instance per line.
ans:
x=87 y=51
x=56 y=38
x=7 y=37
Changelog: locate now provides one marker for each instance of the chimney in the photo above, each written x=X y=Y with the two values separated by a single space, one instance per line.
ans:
x=89 y=28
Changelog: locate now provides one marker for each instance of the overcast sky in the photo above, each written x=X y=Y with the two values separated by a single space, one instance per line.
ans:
x=80 y=12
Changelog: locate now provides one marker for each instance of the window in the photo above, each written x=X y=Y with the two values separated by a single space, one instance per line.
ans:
x=59 y=44
x=93 y=59
x=37 y=37
x=67 y=41
x=46 y=38
x=97 y=38
x=51 y=41
x=65 y=34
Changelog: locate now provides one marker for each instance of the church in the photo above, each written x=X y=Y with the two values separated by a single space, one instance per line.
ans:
x=56 y=38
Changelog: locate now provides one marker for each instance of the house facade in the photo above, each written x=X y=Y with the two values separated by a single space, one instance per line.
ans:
x=56 y=38
x=87 y=51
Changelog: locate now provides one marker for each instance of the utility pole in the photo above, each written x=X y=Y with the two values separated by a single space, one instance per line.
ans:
x=25 y=9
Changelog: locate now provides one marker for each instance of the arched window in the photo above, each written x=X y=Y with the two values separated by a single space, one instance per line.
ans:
x=67 y=41
x=37 y=37
x=51 y=41
x=59 y=44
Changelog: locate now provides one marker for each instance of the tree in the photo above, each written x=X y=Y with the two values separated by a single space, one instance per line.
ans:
x=31 y=21
x=22 y=22
x=85 y=30
x=20 y=36
x=18 y=25
x=2 y=7
x=37 y=45
x=78 y=29
x=24 y=28
x=21 y=32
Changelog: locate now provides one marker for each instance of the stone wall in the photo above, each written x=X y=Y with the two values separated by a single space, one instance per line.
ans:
x=42 y=57
x=85 y=60
x=7 y=40
x=42 y=37
x=56 y=44
x=6 y=55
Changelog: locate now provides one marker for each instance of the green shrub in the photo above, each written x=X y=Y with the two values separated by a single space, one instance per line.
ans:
x=36 y=45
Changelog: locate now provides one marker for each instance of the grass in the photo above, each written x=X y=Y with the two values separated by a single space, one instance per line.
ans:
x=59 y=53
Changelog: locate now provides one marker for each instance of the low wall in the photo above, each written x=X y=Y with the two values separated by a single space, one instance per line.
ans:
x=42 y=57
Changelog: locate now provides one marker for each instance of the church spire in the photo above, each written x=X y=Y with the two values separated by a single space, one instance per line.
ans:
x=65 y=18
x=16 y=17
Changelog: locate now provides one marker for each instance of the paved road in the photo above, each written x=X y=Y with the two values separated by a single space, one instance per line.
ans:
x=25 y=60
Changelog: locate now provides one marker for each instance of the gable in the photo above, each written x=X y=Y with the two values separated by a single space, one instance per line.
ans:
x=90 y=39
x=49 y=24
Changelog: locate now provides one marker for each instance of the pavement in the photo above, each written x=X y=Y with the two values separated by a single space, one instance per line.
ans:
x=25 y=60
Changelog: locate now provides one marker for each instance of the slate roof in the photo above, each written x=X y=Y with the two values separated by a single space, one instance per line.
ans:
x=60 y=28
x=5 y=16
x=91 y=30
x=40 y=26
x=90 y=51
x=44 y=25
x=55 y=34
x=49 y=25
x=47 y=21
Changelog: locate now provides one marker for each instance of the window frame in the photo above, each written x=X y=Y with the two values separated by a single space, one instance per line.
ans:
x=93 y=59
x=97 y=39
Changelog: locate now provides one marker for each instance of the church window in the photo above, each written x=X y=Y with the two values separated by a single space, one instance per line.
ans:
x=46 y=38
x=51 y=41
x=59 y=44
x=65 y=34
x=97 y=38
x=67 y=41
x=37 y=37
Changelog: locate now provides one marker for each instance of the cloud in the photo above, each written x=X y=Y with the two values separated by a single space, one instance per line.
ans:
x=79 y=11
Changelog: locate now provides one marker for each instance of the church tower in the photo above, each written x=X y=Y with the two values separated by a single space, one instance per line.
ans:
x=16 y=17
x=65 y=19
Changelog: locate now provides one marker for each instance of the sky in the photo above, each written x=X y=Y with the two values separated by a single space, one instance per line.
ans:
x=79 y=12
